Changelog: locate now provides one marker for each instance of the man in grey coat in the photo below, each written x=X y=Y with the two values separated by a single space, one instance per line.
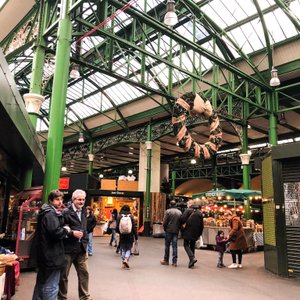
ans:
x=171 y=224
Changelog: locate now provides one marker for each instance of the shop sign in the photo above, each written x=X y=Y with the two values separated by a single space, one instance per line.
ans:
x=117 y=193
x=64 y=183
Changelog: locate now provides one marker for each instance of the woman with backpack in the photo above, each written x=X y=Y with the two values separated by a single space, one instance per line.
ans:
x=128 y=233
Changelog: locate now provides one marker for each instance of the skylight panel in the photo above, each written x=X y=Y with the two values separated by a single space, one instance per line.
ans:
x=247 y=37
x=2 y=2
x=161 y=72
x=295 y=9
x=101 y=79
x=88 y=43
x=212 y=9
x=280 y=27
x=82 y=110
x=40 y=125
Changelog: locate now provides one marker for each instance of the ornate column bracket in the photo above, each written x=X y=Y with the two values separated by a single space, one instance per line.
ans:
x=33 y=102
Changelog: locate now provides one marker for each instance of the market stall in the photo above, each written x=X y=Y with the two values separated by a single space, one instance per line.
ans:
x=217 y=202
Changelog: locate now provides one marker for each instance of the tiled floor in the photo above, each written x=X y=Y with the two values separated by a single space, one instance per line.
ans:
x=148 y=280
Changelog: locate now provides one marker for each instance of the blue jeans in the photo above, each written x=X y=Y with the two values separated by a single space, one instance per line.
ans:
x=171 y=237
x=90 y=244
x=46 y=287
x=113 y=236
x=125 y=254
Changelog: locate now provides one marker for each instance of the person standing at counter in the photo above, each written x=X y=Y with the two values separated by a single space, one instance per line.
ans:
x=237 y=239
x=191 y=229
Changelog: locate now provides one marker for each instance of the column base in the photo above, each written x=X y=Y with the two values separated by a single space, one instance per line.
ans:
x=146 y=228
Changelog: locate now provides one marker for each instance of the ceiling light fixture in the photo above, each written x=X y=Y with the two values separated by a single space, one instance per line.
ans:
x=193 y=161
x=130 y=172
x=274 y=77
x=81 y=137
x=282 y=120
x=64 y=169
x=171 y=18
x=74 y=74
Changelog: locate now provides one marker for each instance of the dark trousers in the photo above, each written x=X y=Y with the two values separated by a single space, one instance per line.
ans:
x=80 y=263
x=239 y=253
x=189 y=247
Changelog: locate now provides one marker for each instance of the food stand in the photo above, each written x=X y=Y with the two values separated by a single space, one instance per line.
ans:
x=217 y=202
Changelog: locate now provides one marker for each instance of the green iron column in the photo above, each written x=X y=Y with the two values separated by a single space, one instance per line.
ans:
x=91 y=159
x=58 y=103
x=245 y=157
x=173 y=184
x=273 y=118
x=34 y=99
x=148 y=182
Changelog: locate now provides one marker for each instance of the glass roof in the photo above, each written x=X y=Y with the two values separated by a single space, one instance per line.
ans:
x=234 y=22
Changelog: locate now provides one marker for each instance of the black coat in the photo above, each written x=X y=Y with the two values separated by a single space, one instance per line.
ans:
x=91 y=223
x=72 y=244
x=48 y=241
x=193 y=219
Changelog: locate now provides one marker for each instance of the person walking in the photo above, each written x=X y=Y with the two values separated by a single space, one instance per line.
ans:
x=171 y=224
x=48 y=248
x=191 y=229
x=75 y=247
x=112 y=226
x=91 y=224
x=237 y=239
x=127 y=234
x=220 y=247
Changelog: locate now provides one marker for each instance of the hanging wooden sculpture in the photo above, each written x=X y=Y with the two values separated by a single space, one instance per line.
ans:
x=191 y=103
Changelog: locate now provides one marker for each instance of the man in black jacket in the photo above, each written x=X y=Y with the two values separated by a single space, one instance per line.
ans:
x=75 y=247
x=48 y=247
x=171 y=224
x=193 y=220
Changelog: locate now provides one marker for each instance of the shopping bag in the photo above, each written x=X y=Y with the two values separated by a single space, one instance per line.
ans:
x=135 y=248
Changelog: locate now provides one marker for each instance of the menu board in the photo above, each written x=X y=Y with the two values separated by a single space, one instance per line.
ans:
x=292 y=203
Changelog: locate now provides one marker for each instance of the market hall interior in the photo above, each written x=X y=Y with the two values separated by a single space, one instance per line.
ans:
x=147 y=279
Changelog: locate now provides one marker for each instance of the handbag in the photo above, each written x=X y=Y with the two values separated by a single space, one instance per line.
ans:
x=135 y=248
x=233 y=237
x=108 y=231
x=183 y=226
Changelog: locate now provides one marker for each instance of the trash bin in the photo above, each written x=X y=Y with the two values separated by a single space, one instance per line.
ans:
x=158 y=230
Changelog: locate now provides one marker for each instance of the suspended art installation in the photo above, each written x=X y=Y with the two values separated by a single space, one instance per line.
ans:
x=191 y=103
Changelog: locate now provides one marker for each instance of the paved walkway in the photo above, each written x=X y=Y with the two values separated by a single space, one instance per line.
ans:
x=148 y=280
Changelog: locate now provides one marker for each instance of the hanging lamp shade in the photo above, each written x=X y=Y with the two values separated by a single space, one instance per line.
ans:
x=81 y=137
x=171 y=18
x=74 y=74
x=282 y=120
x=274 y=77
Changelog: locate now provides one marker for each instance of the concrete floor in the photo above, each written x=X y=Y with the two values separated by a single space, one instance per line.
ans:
x=148 y=280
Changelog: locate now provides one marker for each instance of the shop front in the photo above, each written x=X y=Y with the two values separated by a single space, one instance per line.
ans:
x=103 y=203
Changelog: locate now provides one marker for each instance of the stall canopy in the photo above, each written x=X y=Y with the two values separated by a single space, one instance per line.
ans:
x=233 y=194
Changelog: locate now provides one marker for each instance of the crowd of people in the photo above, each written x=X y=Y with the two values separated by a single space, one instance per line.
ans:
x=64 y=238
x=190 y=224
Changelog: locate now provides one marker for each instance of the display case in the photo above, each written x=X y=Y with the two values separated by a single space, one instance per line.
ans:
x=28 y=212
